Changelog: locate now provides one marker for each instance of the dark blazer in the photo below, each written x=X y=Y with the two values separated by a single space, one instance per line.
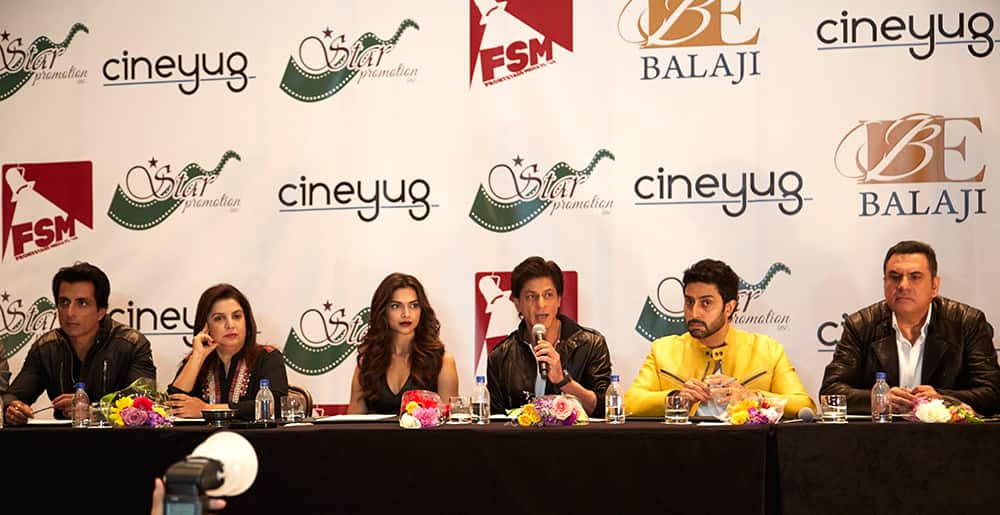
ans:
x=512 y=368
x=959 y=358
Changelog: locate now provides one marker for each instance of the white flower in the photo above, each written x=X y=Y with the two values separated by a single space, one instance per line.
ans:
x=933 y=411
x=408 y=421
x=771 y=414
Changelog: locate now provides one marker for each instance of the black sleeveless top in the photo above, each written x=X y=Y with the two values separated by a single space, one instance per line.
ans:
x=387 y=402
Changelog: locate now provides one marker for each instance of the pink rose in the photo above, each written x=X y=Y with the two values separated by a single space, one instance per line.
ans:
x=133 y=416
x=562 y=407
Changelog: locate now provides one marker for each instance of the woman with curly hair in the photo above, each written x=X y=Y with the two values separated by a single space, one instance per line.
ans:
x=402 y=350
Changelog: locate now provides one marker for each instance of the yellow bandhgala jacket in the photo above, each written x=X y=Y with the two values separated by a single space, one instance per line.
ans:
x=744 y=355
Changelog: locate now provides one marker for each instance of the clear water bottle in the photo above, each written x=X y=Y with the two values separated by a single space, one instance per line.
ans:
x=881 y=408
x=614 y=402
x=264 y=404
x=481 y=402
x=81 y=407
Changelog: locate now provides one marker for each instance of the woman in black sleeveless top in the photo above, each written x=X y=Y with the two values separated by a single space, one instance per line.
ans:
x=402 y=350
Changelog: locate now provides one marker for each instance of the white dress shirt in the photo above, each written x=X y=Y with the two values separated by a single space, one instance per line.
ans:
x=911 y=356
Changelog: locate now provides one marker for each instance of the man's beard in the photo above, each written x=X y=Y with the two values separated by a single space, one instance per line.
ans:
x=709 y=329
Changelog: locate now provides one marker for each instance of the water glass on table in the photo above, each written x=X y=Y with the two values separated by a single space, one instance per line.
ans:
x=292 y=409
x=100 y=415
x=460 y=410
x=676 y=409
x=833 y=408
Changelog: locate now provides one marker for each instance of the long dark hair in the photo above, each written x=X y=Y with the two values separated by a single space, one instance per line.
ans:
x=375 y=353
x=205 y=303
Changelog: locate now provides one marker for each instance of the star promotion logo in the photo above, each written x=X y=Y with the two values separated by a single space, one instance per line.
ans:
x=20 y=64
x=324 y=337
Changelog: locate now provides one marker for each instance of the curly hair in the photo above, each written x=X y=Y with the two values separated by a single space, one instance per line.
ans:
x=375 y=352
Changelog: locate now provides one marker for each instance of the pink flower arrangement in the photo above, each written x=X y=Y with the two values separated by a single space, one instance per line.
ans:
x=421 y=409
x=946 y=410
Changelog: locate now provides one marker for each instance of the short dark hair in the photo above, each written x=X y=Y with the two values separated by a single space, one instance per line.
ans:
x=533 y=268
x=912 y=247
x=713 y=271
x=82 y=272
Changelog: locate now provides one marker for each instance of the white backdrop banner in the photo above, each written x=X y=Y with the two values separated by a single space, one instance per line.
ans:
x=303 y=152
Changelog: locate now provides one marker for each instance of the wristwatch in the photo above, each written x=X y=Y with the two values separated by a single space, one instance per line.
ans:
x=565 y=380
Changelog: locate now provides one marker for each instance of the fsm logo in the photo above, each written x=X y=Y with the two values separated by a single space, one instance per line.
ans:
x=45 y=205
x=918 y=150
x=515 y=195
x=663 y=315
x=328 y=63
x=510 y=38
x=36 y=62
x=323 y=337
x=187 y=72
x=919 y=34
x=150 y=194
x=21 y=322
x=689 y=25
x=496 y=315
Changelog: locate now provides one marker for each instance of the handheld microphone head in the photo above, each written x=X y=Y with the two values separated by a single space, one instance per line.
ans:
x=539 y=332
x=806 y=414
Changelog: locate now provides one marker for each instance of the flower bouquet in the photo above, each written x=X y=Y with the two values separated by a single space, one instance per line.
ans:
x=754 y=409
x=138 y=405
x=943 y=410
x=421 y=409
x=550 y=410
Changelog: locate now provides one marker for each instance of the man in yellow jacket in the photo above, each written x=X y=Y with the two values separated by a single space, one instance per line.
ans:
x=713 y=361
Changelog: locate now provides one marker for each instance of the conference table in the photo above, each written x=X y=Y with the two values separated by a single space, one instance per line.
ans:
x=638 y=467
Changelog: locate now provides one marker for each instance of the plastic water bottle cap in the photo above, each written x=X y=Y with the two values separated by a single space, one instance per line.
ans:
x=880 y=376
x=615 y=378
x=79 y=386
x=480 y=379
x=265 y=382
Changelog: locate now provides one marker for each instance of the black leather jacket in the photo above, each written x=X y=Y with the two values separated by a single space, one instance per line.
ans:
x=512 y=367
x=959 y=358
x=49 y=365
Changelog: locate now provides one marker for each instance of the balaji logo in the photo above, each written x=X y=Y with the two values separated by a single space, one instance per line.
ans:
x=664 y=318
x=514 y=196
x=21 y=324
x=44 y=205
x=678 y=23
x=151 y=194
x=496 y=316
x=918 y=149
x=908 y=150
x=324 y=338
x=510 y=38
x=19 y=64
x=326 y=64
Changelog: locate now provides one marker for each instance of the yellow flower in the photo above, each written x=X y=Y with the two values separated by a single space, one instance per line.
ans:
x=116 y=419
x=124 y=402
x=411 y=406
x=524 y=420
x=160 y=410
x=739 y=418
x=535 y=417
x=530 y=410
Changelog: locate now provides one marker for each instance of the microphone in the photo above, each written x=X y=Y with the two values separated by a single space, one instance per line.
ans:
x=539 y=331
x=806 y=414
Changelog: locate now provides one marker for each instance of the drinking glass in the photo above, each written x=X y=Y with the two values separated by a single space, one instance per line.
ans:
x=292 y=409
x=461 y=410
x=676 y=409
x=833 y=408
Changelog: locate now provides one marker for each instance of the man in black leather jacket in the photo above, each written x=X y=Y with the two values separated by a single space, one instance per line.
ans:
x=578 y=361
x=88 y=347
x=928 y=345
